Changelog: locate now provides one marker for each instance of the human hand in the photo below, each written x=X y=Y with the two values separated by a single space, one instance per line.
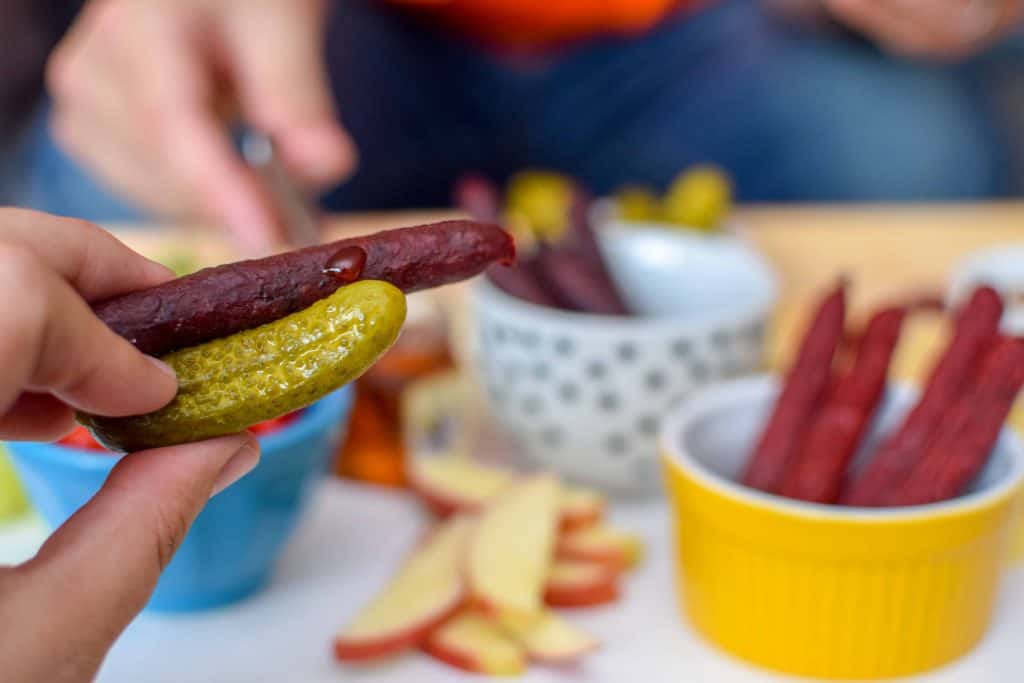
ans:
x=142 y=90
x=944 y=29
x=62 y=610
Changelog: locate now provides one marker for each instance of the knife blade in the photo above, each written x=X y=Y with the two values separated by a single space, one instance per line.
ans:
x=294 y=210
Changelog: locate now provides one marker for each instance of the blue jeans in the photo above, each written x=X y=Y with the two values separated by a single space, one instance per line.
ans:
x=36 y=174
x=791 y=115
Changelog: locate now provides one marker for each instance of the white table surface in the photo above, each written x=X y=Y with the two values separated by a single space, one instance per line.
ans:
x=349 y=545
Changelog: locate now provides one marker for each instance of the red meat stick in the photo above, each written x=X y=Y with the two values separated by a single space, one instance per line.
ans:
x=803 y=391
x=521 y=281
x=833 y=437
x=976 y=328
x=577 y=286
x=968 y=432
x=582 y=240
x=219 y=301
x=480 y=198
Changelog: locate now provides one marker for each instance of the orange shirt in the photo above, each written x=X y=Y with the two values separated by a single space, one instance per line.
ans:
x=534 y=23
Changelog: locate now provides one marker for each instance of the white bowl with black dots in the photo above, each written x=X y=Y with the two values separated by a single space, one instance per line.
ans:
x=584 y=394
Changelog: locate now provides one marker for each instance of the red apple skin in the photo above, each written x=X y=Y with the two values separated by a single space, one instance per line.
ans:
x=457 y=655
x=441 y=507
x=563 y=661
x=444 y=504
x=578 y=521
x=592 y=596
x=600 y=588
x=364 y=651
x=453 y=658
x=483 y=606
x=613 y=560
x=615 y=556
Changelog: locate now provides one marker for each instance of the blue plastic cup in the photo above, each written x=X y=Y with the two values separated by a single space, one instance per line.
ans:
x=229 y=552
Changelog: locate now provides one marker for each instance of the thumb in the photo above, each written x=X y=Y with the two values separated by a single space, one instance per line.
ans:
x=280 y=79
x=97 y=571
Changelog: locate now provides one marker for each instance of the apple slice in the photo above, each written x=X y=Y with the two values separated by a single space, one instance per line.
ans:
x=451 y=483
x=428 y=589
x=511 y=550
x=552 y=640
x=471 y=642
x=580 y=507
x=576 y=583
x=601 y=543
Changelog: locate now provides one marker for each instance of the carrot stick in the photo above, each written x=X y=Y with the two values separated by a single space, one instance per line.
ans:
x=803 y=391
x=834 y=435
x=968 y=432
x=976 y=328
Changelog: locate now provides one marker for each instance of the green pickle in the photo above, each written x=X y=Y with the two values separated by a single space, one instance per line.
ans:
x=12 y=497
x=699 y=198
x=229 y=384
x=637 y=203
x=181 y=261
x=542 y=200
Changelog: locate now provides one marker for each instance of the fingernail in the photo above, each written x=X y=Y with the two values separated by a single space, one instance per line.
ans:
x=163 y=367
x=161 y=273
x=240 y=464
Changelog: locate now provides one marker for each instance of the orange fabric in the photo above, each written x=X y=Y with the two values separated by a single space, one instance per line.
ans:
x=523 y=23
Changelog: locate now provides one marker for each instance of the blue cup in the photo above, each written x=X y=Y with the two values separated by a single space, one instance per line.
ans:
x=230 y=550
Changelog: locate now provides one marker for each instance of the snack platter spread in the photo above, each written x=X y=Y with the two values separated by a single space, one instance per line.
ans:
x=348 y=547
x=357 y=541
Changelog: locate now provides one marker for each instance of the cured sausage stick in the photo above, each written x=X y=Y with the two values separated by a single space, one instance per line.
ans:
x=976 y=328
x=804 y=389
x=220 y=301
x=968 y=431
x=833 y=438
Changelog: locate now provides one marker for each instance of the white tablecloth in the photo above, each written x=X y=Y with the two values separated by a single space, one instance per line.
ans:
x=349 y=545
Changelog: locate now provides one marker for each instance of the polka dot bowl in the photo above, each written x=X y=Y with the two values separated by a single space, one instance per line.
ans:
x=584 y=394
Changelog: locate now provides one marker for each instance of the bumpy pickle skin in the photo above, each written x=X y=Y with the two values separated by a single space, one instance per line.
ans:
x=229 y=384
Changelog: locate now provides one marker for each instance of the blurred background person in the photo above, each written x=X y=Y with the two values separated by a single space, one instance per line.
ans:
x=796 y=99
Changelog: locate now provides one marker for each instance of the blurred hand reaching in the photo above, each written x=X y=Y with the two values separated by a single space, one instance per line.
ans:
x=144 y=90
x=62 y=610
x=943 y=29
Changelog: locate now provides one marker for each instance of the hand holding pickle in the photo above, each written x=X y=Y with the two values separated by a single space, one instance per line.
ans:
x=68 y=604
x=263 y=338
x=247 y=342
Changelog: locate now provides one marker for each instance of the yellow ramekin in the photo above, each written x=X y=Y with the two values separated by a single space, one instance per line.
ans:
x=827 y=591
x=1017 y=541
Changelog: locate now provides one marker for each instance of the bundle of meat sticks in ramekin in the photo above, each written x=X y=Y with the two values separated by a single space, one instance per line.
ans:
x=942 y=443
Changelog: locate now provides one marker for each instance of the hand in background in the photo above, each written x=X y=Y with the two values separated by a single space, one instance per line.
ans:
x=142 y=91
x=942 y=29
x=62 y=610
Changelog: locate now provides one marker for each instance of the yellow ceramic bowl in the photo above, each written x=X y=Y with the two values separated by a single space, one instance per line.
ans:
x=1017 y=542
x=828 y=591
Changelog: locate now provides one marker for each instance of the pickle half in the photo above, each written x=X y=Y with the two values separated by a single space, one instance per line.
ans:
x=231 y=383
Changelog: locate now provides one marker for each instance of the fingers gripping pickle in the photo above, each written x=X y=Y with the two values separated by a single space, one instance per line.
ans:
x=229 y=384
